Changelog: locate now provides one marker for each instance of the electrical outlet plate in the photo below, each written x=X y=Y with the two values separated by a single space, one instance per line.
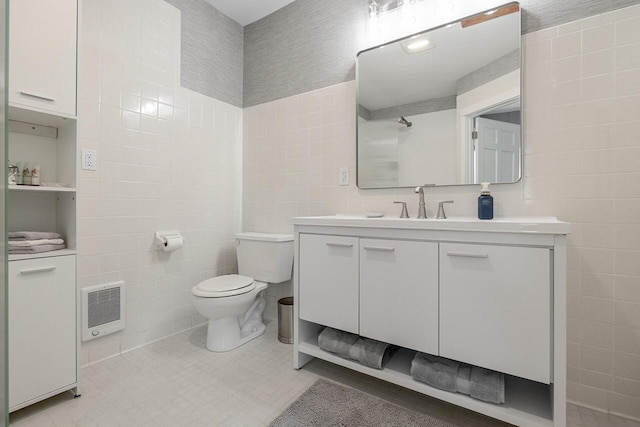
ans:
x=343 y=176
x=89 y=160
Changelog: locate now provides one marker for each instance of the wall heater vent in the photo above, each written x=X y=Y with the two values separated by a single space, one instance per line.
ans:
x=102 y=310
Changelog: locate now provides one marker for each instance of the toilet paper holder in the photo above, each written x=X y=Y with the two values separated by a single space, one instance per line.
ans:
x=162 y=237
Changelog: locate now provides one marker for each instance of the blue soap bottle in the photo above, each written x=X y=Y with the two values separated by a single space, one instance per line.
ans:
x=485 y=203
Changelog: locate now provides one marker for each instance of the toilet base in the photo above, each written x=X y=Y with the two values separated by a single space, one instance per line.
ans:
x=225 y=334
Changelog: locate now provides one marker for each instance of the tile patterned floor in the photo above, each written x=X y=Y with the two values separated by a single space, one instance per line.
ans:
x=177 y=382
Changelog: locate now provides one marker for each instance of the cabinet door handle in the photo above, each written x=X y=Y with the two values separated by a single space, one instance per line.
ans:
x=35 y=95
x=467 y=255
x=37 y=270
x=340 y=245
x=379 y=248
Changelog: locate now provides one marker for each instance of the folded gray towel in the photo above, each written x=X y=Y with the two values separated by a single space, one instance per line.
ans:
x=463 y=379
x=435 y=371
x=487 y=385
x=335 y=341
x=369 y=352
x=34 y=249
x=32 y=235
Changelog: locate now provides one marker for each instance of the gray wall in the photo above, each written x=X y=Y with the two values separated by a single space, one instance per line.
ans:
x=510 y=117
x=212 y=51
x=501 y=66
x=414 y=109
x=310 y=44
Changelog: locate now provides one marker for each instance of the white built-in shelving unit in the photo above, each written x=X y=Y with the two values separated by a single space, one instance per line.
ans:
x=43 y=297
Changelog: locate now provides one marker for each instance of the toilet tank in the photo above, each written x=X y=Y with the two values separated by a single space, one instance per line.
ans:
x=265 y=257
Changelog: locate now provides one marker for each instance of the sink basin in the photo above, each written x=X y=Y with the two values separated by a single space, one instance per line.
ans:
x=541 y=225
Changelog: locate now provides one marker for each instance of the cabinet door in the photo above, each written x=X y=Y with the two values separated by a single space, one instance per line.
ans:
x=42 y=55
x=328 y=281
x=495 y=308
x=42 y=327
x=399 y=293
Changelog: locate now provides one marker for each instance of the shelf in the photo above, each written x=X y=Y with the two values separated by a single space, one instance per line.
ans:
x=527 y=403
x=40 y=188
x=30 y=114
x=60 y=252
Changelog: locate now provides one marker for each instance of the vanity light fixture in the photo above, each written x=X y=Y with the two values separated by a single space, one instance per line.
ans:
x=379 y=7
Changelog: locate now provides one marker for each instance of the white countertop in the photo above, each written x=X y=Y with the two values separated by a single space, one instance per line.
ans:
x=536 y=225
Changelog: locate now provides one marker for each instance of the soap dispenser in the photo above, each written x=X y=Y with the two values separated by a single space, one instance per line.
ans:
x=485 y=203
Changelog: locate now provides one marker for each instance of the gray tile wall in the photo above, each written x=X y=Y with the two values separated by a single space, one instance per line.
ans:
x=311 y=44
x=212 y=51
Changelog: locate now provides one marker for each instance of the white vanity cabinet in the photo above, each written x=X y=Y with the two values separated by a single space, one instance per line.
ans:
x=399 y=293
x=381 y=289
x=495 y=309
x=487 y=293
x=42 y=55
x=329 y=271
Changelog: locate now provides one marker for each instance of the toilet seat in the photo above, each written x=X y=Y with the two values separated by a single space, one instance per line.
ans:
x=224 y=286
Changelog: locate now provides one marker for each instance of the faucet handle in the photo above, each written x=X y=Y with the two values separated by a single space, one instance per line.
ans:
x=441 y=214
x=405 y=212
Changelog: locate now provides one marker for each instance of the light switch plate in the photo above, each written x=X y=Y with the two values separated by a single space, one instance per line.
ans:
x=89 y=160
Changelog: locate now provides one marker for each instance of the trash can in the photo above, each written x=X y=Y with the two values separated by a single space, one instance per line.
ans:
x=285 y=320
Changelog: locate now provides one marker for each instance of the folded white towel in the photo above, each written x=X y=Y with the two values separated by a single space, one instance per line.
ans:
x=29 y=243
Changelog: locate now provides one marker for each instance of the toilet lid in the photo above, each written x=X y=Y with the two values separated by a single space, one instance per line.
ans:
x=224 y=286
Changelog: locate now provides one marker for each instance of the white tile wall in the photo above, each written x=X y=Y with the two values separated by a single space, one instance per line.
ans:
x=168 y=158
x=582 y=164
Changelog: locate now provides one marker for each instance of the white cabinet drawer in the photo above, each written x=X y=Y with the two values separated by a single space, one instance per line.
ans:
x=42 y=327
x=495 y=308
x=328 y=278
x=42 y=55
x=399 y=293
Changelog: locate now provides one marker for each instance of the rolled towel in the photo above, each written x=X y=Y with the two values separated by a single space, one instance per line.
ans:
x=435 y=371
x=463 y=379
x=487 y=385
x=335 y=341
x=35 y=249
x=369 y=352
x=32 y=235
x=27 y=243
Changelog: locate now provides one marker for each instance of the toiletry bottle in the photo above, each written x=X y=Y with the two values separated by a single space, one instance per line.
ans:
x=35 y=174
x=26 y=174
x=19 y=176
x=12 y=178
x=485 y=203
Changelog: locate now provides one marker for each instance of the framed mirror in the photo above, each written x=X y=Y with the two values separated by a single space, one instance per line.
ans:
x=442 y=106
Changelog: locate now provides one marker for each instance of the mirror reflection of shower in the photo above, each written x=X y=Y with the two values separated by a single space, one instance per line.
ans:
x=405 y=122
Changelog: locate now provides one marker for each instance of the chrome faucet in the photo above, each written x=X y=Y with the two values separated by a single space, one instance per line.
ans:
x=441 y=214
x=422 y=210
x=405 y=212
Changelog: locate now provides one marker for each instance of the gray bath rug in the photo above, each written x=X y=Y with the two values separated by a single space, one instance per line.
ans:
x=328 y=404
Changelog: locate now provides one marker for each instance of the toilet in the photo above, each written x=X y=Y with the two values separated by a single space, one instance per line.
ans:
x=234 y=303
